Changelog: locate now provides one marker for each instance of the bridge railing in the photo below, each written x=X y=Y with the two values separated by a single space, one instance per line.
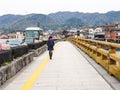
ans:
x=7 y=56
x=104 y=53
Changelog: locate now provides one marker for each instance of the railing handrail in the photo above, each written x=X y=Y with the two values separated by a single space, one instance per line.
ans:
x=102 y=52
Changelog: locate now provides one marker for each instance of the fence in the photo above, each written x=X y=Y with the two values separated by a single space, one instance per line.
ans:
x=104 y=53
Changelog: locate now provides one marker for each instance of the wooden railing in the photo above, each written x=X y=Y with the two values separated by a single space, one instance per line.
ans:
x=104 y=53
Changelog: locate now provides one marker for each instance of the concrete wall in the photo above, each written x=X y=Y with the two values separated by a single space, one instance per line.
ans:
x=16 y=65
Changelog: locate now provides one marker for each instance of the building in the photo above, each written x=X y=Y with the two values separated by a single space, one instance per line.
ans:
x=112 y=33
x=16 y=34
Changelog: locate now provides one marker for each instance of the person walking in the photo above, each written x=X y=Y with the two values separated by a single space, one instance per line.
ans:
x=50 y=44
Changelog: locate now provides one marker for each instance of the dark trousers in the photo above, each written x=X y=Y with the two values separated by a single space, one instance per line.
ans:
x=50 y=54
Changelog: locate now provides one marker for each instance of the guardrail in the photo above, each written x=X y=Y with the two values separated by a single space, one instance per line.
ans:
x=7 y=56
x=104 y=53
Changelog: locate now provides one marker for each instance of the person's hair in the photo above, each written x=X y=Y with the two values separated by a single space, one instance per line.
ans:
x=50 y=37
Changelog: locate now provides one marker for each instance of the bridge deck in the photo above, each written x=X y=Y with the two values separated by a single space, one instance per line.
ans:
x=68 y=70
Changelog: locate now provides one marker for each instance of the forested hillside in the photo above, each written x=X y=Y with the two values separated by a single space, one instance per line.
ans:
x=57 y=20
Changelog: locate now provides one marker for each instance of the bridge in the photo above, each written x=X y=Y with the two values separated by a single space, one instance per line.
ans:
x=71 y=68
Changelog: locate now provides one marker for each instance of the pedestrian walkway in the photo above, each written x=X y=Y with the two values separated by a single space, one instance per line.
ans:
x=68 y=70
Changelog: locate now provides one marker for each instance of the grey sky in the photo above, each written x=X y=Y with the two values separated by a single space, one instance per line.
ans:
x=52 y=6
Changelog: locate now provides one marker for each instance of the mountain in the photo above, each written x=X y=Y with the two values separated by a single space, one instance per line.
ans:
x=20 y=23
x=61 y=17
x=88 y=18
x=9 y=18
x=57 y=20
x=73 y=23
x=33 y=20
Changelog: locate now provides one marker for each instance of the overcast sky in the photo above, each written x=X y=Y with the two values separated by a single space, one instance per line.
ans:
x=52 y=6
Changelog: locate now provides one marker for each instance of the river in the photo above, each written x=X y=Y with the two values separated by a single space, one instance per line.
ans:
x=13 y=42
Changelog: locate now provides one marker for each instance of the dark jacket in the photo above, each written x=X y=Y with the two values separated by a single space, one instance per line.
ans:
x=50 y=44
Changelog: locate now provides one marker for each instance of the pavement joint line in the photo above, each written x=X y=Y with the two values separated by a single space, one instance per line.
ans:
x=30 y=81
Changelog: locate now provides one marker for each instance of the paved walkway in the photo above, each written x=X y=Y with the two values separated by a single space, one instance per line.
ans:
x=68 y=70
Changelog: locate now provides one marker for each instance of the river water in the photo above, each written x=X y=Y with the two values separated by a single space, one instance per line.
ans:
x=13 y=42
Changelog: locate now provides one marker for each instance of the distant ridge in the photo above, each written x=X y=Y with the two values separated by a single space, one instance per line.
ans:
x=57 y=20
